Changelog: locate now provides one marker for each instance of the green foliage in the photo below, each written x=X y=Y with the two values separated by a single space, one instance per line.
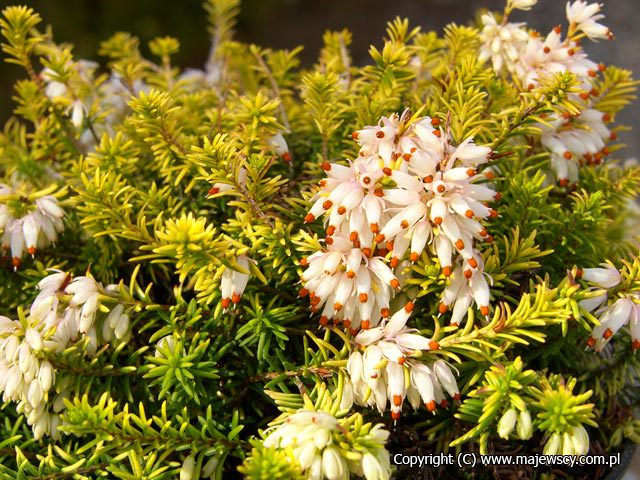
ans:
x=188 y=191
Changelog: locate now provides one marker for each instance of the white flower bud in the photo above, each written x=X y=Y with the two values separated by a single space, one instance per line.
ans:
x=49 y=206
x=209 y=469
x=606 y=277
x=580 y=440
x=25 y=358
x=114 y=315
x=524 y=426
x=188 y=468
x=567 y=444
x=46 y=375
x=552 y=447
x=13 y=382
x=333 y=465
x=522 y=4
x=11 y=346
x=122 y=326
x=77 y=114
x=315 y=472
x=507 y=423
x=373 y=469
x=34 y=339
x=306 y=454
x=346 y=402
x=35 y=394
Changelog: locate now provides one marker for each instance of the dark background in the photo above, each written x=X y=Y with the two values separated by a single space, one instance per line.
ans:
x=288 y=23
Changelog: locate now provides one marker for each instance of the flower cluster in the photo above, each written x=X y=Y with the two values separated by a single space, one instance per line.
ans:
x=380 y=373
x=314 y=438
x=501 y=42
x=71 y=93
x=612 y=317
x=28 y=226
x=26 y=378
x=575 y=140
x=575 y=441
x=353 y=285
x=520 y=422
x=63 y=313
x=409 y=189
x=571 y=139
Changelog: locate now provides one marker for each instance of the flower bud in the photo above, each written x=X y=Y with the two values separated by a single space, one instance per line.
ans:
x=607 y=277
x=372 y=468
x=524 y=426
x=34 y=339
x=306 y=454
x=333 y=465
x=522 y=4
x=46 y=376
x=346 y=402
x=209 y=469
x=567 y=444
x=580 y=440
x=552 y=446
x=77 y=114
x=507 y=423
x=188 y=468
